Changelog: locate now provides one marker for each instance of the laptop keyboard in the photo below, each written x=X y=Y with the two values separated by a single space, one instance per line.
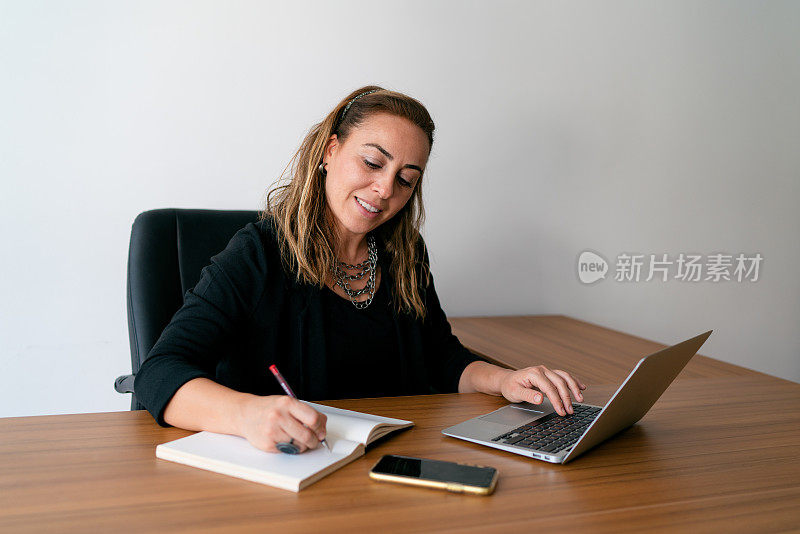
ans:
x=552 y=433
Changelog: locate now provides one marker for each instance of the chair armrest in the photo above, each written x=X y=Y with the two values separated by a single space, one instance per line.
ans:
x=124 y=383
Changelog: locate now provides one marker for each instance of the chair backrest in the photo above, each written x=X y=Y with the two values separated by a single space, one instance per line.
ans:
x=168 y=249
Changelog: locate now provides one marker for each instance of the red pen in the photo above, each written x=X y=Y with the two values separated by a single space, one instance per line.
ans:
x=288 y=390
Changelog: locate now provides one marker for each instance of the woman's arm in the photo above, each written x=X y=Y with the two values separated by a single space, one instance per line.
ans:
x=482 y=377
x=445 y=357
x=202 y=404
x=176 y=381
x=203 y=328
x=452 y=362
x=523 y=384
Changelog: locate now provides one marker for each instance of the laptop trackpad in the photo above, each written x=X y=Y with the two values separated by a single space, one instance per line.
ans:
x=511 y=416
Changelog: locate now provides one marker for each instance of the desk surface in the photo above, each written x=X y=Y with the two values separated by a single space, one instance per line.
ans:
x=593 y=353
x=714 y=453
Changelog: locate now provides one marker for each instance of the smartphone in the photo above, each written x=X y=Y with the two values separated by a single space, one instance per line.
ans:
x=450 y=476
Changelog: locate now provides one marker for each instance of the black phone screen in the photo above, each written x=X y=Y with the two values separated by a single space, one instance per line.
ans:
x=435 y=470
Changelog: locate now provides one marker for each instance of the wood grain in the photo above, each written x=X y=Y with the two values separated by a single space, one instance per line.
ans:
x=591 y=352
x=711 y=452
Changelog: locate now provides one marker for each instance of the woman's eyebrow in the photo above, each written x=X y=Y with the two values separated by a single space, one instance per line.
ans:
x=386 y=153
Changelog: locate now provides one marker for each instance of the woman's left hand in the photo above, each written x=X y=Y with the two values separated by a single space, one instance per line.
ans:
x=529 y=383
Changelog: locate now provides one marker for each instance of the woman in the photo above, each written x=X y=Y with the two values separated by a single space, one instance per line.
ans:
x=333 y=285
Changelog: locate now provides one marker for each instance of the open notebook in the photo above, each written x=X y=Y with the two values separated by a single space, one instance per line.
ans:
x=348 y=433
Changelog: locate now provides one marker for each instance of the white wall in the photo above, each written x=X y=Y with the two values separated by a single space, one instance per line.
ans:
x=650 y=127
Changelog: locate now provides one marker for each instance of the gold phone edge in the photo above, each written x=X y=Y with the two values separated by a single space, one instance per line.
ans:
x=454 y=487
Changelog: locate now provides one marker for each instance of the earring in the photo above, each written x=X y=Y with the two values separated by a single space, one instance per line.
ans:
x=322 y=170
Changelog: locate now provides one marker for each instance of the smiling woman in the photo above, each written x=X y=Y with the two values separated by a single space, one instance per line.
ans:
x=332 y=285
x=358 y=173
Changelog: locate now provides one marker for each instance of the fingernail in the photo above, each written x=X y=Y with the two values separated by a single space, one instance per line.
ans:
x=537 y=398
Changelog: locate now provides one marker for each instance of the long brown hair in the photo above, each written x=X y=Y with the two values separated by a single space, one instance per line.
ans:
x=305 y=233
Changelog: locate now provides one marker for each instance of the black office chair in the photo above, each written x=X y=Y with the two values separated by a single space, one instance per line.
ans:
x=168 y=249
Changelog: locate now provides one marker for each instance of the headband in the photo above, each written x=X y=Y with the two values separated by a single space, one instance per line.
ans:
x=353 y=100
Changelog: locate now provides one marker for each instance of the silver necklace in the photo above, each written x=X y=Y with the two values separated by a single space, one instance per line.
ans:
x=367 y=266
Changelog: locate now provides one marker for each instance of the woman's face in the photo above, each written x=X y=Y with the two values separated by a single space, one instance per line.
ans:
x=379 y=164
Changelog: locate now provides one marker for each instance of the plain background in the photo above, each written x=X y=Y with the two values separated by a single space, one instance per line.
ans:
x=639 y=127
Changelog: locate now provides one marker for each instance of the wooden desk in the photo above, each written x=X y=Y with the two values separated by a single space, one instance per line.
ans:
x=719 y=453
x=593 y=353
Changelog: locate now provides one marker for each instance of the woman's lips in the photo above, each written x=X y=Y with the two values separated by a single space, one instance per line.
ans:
x=365 y=211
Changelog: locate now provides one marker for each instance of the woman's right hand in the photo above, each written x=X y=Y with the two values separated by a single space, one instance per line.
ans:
x=280 y=418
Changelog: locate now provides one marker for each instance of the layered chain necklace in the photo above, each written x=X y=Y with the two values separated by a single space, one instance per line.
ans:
x=366 y=267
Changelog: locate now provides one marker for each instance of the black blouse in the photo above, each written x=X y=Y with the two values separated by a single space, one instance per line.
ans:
x=363 y=359
x=247 y=313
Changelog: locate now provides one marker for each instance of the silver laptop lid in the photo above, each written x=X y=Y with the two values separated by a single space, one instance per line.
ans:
x=637 y=394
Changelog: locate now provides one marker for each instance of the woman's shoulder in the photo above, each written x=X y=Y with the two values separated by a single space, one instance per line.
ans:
x=252 y=249
x=257 y=234
x=266 y=228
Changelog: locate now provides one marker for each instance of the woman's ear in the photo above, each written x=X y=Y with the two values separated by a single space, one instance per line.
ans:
x=331 y=146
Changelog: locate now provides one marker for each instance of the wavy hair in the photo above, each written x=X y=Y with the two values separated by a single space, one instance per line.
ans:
x=299 y=210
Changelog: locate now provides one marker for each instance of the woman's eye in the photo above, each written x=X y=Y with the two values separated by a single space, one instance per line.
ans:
x=403 y=181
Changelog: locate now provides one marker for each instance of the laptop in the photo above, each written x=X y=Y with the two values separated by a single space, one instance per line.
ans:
x=536 y=430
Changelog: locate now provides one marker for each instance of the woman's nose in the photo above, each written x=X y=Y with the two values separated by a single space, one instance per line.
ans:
x=384 y=186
